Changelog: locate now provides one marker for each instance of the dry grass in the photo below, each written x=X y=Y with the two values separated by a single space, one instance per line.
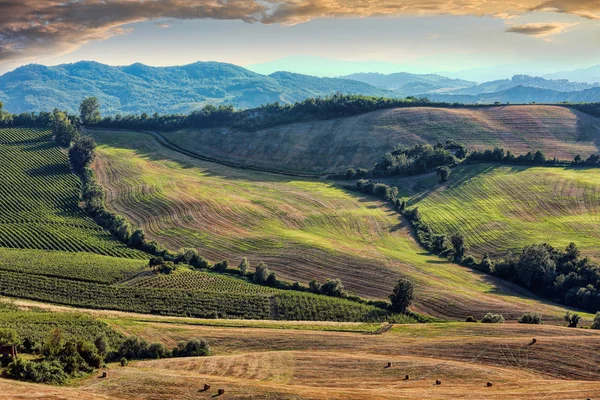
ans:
x=337 y=144
x=302 y=228
x=251 y=363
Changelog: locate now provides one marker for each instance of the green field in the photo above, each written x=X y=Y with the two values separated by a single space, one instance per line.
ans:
x=39 y=199
x=501 y=208
x=302 y=228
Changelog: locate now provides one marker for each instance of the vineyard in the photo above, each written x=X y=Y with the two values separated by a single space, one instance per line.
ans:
x=304 y=306
x=200 y=281
x=35 y=324
x=75 y=266
x=303 y=229
x=508 y=207
x=39 y=199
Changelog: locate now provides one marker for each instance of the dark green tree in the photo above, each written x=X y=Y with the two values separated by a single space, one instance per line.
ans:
x=443 y=172
x=402 y=296
x=458 y=243
x=244 y=265
x=82 y=153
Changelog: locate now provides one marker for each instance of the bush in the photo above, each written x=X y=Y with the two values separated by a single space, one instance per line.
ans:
x=261 y=273
x=596 y=323
x=490 y=318
x=470 y=319
x=572 y=319
x=124 y=362
x=530 y=318
x=221 y=266
x=192 y=348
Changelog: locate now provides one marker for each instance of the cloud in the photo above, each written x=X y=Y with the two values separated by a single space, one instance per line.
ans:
x=545 y=29
x=37 y=28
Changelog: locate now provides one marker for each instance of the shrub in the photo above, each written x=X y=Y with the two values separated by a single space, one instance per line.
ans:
x=244 y=265
x=221 y=266
x=596 y=323
x=192 y=348
x=124 y=362
x=572 y=319
x=530 y=318
x=333 y=287
x=158 y=350
x=402 y=296
x=470 y=319
x=490 y=318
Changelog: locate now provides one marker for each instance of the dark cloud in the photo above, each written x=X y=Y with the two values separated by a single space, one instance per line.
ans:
x=35 y=28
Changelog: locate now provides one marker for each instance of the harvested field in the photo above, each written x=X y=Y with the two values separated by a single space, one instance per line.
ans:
x=502 y=208
x=282 y=362
x=333 y=145
x=303 y=229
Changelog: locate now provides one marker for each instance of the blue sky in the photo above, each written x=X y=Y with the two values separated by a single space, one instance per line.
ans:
x=320 y=38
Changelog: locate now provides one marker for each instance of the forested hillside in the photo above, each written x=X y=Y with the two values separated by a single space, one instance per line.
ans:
x=139 y=88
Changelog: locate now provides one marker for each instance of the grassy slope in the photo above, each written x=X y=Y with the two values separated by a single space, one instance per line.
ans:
x=39 y=199
x=501 y=208
x=337 y=144
x=302 y=228
x=287 y=363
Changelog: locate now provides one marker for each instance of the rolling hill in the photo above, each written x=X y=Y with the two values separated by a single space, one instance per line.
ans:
x=139 y=88
x=289 y=360
x=302 y=228
x=326 y=146
x=502 y=208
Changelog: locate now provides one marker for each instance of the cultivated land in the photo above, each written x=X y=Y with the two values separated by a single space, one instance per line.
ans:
x=284 y=362
x=501 y=208
x=334 y=145
x=39 y=202
x=302 y=228
x=65 y=253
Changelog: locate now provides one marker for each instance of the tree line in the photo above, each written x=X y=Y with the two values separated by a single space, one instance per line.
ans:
x=62 y=358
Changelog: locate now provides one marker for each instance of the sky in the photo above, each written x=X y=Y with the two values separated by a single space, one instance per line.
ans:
x=324 y=38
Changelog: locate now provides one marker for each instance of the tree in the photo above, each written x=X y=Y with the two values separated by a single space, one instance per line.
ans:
x=138 y=239
x=272 y=279
x=572 y=319
x=244 y=265
x=261 y=273
x=536 y=268
x=443 y=173
x=333 y=287
x=81 y=153
x=314 y=286
x=101 y=344
x=63 y=130
x=577 y=159
x=54 y=343
x=402 y=296
x=89 y=110
x=458 y=243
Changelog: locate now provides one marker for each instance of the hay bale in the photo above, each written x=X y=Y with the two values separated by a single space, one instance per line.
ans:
x=490 y=384
x=104 y=374
x=206 y=386
x=389 y=365
x=407 y=377
x=438 y=382
x=533 y=341
x=220 y=392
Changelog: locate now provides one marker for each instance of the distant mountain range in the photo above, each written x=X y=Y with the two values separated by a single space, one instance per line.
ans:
x=140 y=88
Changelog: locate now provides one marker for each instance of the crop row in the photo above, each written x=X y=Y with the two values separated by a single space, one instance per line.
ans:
x=200 y=281
x=39 y=199
x=283 y=305
x=76 y=266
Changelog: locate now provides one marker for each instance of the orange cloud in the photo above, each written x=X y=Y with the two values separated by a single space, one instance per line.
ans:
x=34 y=28
x=538 y=29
